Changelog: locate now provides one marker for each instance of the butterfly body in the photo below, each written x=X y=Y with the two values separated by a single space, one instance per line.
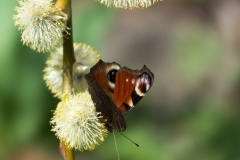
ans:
x=115 y=90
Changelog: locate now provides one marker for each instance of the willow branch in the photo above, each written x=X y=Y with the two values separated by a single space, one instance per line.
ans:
x=67 y=153
x=68 y=60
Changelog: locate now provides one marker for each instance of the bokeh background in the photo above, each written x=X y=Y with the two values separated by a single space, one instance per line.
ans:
x=191 y=112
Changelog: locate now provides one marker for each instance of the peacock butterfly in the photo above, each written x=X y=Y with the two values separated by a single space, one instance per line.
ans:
x=115 y=90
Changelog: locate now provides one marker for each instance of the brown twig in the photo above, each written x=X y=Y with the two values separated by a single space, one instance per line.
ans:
x=68 y=60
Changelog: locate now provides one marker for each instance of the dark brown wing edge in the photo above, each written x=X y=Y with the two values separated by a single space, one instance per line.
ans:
x=112 y=116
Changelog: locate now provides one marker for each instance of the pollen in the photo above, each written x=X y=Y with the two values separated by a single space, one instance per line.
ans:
x=128 y=3
x=76 y=122
x=41 y=24
x=85 y=56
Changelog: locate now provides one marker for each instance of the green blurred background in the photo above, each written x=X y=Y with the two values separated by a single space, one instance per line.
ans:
x=192 y=111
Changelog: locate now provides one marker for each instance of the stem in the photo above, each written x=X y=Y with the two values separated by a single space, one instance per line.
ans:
x=68 y=60
x=67 y=153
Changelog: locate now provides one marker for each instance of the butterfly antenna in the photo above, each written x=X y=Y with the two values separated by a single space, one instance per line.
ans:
x=116 y=144
x=129 y=139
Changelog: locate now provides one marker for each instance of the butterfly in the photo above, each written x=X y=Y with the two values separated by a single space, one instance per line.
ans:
x=115 y=90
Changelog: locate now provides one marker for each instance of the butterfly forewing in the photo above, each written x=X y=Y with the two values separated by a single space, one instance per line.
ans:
x=100 y=73
x=112 y=116
x=124 y=86
x=131 y=86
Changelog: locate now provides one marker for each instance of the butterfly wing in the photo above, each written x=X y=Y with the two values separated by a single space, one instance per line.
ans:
x=112 y=116
x=131 y=86
x=100 y=72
